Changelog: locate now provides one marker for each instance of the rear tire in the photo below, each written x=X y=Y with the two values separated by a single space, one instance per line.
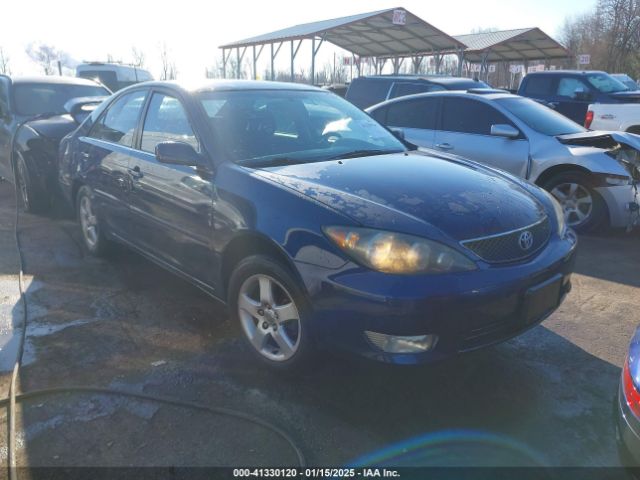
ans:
x=33 y=200
x=584 y=208
x=93 y=235
x=273 y=313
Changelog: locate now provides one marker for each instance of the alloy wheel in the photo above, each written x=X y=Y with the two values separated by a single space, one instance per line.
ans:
x=88 y=222
x=269 y=317
x=576 y=202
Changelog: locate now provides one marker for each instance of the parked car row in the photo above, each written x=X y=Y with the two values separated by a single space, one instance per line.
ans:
x=593 y=175
x=319 y=227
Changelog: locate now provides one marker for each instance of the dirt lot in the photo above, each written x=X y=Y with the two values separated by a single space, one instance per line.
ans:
x=544 y=398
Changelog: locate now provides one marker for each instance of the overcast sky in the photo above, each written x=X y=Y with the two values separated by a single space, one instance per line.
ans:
x=193 y=29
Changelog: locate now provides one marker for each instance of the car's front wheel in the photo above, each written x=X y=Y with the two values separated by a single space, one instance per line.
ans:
x=583 y=207
x=93 y=237
x=267 y=303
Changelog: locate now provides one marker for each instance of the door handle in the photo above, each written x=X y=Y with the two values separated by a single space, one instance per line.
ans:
x=135 y=172
x=444 y=146
x=84 y=155
x=553 y=105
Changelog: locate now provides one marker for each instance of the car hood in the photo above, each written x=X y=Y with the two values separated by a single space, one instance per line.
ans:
x=622 y=147
x=54 y=128
x=462 y=200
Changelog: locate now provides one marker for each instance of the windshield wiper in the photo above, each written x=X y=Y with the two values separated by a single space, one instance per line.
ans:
x=270 y=162
x=363 y=153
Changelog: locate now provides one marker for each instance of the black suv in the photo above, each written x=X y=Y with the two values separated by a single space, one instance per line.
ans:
x=35 y=114
x=371 y=90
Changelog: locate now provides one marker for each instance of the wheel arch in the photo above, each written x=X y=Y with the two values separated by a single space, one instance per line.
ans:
x=252 y=243
x=549 y=173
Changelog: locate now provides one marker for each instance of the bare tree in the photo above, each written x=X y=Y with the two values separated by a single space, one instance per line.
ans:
x=138 y=57
x=48 y=56
x=4 y=63
x=169 y=70
x=610 y=34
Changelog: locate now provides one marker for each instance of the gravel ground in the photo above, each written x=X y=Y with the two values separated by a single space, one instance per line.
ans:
x=544 y=398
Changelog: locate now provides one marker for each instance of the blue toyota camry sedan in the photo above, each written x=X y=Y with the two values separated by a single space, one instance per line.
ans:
x=315 y=224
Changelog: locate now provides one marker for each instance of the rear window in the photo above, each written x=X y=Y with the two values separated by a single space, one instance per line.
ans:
x=40 y=98
x=538 y=85
x=364 y=92
x=109 y=79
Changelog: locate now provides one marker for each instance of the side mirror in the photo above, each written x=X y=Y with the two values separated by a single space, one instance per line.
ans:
x=581 y=94
x=504 y=130
x=4 y=111
x=178 y=153
x=398 y=133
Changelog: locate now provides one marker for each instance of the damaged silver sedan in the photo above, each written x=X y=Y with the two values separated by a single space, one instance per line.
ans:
x=594 y=175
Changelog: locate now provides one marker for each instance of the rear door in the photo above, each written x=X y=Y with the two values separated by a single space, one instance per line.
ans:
x=465 y=129
x=104 y=156
x=171 y=204
x=416 y=118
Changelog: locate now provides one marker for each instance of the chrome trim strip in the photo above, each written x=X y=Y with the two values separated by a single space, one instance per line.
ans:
x=470 y=240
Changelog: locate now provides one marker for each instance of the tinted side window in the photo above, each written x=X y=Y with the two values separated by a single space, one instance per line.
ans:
x=166 y=121
x=119 y=122
x=567 y=86
x=420 y=113
x=539 y=85
x=470 y=116
x=366 y=92
x=402 y=89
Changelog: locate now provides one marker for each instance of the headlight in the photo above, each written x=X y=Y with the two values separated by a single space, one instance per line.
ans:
x=396 y=252
x=562 y=224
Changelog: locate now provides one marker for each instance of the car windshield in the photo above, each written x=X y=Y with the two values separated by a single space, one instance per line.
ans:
x=540 y=118
x=605 y=83
x=264 y=127
x=41 y=98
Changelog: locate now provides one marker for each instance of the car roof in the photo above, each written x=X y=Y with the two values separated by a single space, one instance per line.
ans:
x=443 y=79
x=564 y=72
x=228 y=85
x=488 y=94
x=53 y=79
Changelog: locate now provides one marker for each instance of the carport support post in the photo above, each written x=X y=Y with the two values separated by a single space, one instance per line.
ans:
x=314 y=52
x=255 y=63
x=225 y=58
x=460 y=61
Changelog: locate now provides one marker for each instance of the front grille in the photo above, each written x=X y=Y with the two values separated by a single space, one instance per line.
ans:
x=508 y=247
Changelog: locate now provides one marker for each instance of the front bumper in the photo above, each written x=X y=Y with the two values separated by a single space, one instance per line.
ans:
x=618 y=200
x=466 y=310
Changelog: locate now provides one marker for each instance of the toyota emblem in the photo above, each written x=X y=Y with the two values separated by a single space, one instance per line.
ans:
x=526 y=240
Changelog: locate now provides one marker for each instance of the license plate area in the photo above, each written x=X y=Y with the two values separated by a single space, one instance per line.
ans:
x=542 y=299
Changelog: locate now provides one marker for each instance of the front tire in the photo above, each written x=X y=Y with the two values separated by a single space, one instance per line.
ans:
x=93 y=235
x=583 y=207
x=272 y=312
x=33 y=201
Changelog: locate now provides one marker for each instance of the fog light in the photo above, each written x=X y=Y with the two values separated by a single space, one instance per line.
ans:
x=402 y=344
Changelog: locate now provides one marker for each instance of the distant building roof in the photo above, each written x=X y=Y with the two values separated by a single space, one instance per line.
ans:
x=383 y=33
x=514 y=45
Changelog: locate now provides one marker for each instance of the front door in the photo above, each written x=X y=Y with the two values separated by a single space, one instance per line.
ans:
x=465 y=130
x=171 y=205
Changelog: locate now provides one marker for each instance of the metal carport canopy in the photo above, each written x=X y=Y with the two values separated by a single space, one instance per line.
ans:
x=511 y=45
x=371 y=34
